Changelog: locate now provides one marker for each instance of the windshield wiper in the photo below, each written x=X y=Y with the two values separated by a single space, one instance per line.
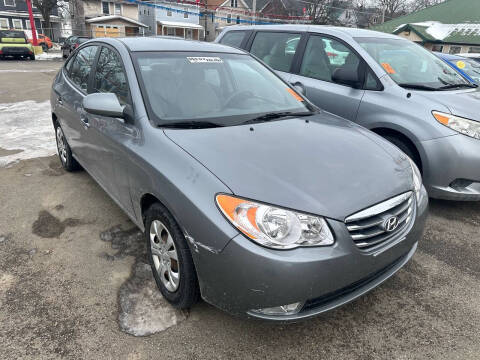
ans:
x=191 y=125
x=417 y=87
x=276 y=115
x=453 y=86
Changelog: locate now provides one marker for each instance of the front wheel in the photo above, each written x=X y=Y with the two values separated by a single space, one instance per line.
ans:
x=64 y=151
x=170 y=258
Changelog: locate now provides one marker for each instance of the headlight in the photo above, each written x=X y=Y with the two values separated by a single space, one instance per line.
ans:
x=417 y=179
x=463 y=126
x=274 y=227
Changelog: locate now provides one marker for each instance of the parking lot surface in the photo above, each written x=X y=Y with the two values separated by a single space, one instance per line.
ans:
x=74 y=281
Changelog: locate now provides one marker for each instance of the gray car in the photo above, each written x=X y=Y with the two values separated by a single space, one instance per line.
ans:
x=248 y=195
x=387 y=84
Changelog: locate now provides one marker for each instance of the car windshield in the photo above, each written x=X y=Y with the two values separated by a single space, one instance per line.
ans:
x=469 y=67
x=411 y=65
x=12 y=36
x=227 y=89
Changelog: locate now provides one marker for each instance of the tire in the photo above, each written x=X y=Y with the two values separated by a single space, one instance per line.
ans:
x=32 y=57
x=64 y=151
x=406 y=148
x=165 y=241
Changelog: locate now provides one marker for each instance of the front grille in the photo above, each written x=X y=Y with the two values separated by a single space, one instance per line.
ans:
x=373 y=227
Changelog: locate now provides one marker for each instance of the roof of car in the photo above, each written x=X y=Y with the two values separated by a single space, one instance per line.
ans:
x=165 y=43
x=353 y=32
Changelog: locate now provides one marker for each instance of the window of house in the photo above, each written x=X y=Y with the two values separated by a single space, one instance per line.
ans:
x=233 y=38
x=105 y=8
x=110 y=76
x=28 y=26
x=438 y=48
x=144 y=11
x=238 y=20
x=9 y=2
x=233 y=3
x=276 y=49
x=171 y=31
x=185 y=15
x=189 y=34
x=4 y=23
x=323 y=56
x=148 y=11
x=17 y=24
x=474 y=49
x=455 y=49
x=82 y=65
x=169 y=12
x=229 y=18
x=118 y=9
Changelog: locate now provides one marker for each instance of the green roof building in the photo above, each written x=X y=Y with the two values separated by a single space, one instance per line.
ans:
x=450 y=27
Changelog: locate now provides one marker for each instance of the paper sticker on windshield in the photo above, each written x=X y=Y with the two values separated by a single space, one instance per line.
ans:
x=460 y=64
x=294 y=94
x=208 y=59
x=388 y=68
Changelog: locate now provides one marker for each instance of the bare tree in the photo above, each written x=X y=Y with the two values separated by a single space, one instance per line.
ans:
x=46 y=7
x=320 y=11
x=393 y=8
x=422 y=4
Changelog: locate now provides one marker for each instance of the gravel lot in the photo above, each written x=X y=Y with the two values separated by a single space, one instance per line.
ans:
x=74 y=284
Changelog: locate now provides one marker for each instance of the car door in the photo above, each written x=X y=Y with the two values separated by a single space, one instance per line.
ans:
x=322 y=55
x=277 y=49
x=70 y=94
x=110 y=136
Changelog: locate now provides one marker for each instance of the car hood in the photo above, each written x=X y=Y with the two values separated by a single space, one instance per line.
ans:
x=327 y=166
x=464 y=102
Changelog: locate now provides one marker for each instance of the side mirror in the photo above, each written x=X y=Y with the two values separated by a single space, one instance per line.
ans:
x=103 y=104
x=346 y=76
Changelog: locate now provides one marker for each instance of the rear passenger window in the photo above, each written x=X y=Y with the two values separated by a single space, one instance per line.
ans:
x=324 y=55
x=110 y=75
x=82 y=65
x=276 y=49
x=233 y=38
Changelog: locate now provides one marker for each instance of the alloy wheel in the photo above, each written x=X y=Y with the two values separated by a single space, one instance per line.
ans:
x=61 y=146
x=164 y=254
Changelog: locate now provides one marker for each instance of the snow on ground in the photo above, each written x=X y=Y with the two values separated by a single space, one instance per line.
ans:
x=26 y=127
x=27 y=70
x=49 y=56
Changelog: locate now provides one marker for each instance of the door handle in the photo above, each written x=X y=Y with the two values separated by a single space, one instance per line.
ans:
x=84 y=120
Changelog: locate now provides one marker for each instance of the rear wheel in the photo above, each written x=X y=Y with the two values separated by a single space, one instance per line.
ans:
x=32 y=57
x=170 y=258
x=64 y=151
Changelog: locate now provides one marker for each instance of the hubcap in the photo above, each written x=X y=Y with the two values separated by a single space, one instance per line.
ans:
x=165 y=257
x=62 y=150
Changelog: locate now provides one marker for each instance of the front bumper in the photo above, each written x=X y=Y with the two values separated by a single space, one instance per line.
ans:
x=246 y=276
x=452 y=171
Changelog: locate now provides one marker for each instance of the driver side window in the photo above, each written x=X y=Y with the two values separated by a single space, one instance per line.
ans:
x=324 y=55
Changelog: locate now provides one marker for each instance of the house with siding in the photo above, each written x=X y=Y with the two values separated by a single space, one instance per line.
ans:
x=14 y=15
x=96 y=18
x=449 y=27
x=172 y=18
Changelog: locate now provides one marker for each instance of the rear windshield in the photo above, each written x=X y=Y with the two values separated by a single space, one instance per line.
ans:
x=12 y=36
x=82 y=40
x=226 y=88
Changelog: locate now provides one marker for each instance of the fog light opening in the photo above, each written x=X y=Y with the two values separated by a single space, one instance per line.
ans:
x=461 y=184
x=289 y=309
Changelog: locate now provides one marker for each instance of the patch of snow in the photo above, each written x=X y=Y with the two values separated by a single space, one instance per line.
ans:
x=440 y=31
x=26 y=126
x=48 y=56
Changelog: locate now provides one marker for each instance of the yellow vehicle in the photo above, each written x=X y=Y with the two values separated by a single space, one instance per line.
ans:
x=14 y=43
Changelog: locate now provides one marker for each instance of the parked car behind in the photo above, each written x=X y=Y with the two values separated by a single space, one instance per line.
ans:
x=71 y=43
x=14 y=44
x=44 y=41
x=387 y=84
x=248 y=195
x=469 y=68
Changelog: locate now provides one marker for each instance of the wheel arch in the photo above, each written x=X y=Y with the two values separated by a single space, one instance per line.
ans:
x=385 y=132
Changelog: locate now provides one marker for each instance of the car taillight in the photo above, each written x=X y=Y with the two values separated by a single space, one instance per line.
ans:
x=76 y=45
x=1 y=52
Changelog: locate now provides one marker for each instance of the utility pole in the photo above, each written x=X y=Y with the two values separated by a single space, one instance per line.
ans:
x=32 y=23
